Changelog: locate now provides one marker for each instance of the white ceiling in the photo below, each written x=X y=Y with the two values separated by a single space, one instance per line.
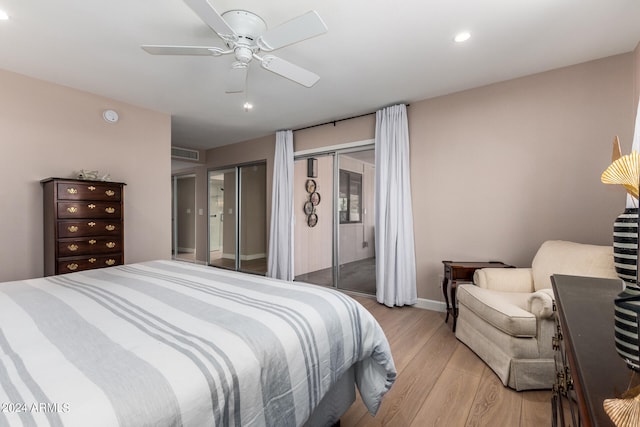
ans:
x=376 y=53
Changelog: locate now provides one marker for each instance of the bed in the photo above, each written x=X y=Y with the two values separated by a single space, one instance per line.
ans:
x=167 y=343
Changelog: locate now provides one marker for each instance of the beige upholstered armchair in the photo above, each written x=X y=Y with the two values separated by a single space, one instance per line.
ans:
x=507 y=317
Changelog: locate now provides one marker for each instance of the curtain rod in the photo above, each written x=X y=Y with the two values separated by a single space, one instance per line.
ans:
x=338 y=120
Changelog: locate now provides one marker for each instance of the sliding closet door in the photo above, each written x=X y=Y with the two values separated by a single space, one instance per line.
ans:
x=222 y=218
x=314 y=218
x=238 y=218
x=356 y=227
x=337 y=247
x=253 y=219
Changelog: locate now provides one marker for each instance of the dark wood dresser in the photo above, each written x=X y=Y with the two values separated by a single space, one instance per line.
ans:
x=83 y=225
x=594 y=369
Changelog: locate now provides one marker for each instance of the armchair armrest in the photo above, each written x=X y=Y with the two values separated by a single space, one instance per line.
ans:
x=504 y=279
x=540 y=303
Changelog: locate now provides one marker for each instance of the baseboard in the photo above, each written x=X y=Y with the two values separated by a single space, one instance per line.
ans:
x=252 y=256
x=432 y=305
x=245 y=257
x=425 y=304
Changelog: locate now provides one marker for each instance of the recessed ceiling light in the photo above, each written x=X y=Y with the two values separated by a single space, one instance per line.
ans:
x=462 y=37
x=3 y=15
x=247 y=106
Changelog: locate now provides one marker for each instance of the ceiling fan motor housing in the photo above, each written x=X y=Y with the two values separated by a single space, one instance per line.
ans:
x=247 y=25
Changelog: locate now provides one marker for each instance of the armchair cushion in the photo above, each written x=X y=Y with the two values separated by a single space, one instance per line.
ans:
x=577 y=259
x=504 y=310
x=504 y=279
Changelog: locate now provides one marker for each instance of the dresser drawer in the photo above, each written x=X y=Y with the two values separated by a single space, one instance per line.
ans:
x=89 y=246
x=71 y=265
x=96 y=227
x=91 y=209
x=89 y=191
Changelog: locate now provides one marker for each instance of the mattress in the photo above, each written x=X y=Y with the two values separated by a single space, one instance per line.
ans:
x=166 y=343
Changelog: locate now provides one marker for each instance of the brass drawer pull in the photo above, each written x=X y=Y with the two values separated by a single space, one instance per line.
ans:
x=110 y=261
x=72 y=190
x=110 y=210
x=91 y=206
x=72 y=266
x=110 y=193
x=91 y=224
x=91 y=188
x=110 y=227
x=111 y=245
x=92 y=260
x=72 y=209
x=72 y=247
x=72 y=228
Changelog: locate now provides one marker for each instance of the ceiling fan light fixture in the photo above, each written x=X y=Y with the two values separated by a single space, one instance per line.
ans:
x=462 y=37
x=247 y=106
x=243 y=54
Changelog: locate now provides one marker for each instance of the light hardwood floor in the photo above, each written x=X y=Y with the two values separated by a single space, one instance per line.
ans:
x=440 y=381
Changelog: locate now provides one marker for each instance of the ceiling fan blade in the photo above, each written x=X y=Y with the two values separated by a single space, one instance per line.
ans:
x=289 y=70
x=301 y=28
x=184 y=50
x=236 y=78
x=212 y=18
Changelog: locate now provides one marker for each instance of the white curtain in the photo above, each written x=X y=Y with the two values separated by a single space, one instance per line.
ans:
x=395 y=255
x=631 y=202
x=281 y=231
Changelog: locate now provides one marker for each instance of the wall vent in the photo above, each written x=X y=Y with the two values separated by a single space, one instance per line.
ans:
x=185 y=154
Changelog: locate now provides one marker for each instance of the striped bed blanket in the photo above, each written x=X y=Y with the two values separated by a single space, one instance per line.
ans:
x=165 y=343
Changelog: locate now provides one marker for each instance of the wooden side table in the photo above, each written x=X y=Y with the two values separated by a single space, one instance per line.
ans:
x=461 y=271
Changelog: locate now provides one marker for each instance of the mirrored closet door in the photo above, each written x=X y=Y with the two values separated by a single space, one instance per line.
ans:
x=356 y=221
x=237 y=218
x=334 y=219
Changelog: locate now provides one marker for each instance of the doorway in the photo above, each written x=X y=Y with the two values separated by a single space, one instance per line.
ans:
x=183 y=218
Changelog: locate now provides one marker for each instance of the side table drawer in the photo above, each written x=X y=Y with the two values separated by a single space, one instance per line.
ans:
x=463 y=274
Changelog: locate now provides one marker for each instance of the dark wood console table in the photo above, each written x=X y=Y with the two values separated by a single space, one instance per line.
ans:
x=586 y=315
x=460 y=271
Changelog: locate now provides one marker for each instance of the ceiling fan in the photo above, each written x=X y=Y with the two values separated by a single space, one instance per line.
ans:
x=245 y=35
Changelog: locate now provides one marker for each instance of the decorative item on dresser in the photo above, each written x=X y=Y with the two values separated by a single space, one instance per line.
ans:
x=83 y=225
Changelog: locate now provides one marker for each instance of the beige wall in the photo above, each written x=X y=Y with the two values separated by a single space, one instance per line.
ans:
x=51 y=130
x=497 y=170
